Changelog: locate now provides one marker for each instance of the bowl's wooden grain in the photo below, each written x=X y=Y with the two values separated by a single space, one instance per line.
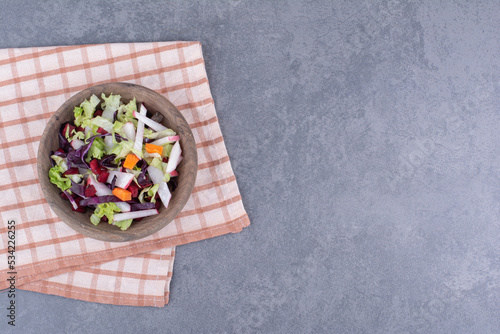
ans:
x=173 y=119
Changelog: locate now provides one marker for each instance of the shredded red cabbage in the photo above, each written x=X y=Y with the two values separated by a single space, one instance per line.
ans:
x=113 y=182
x=142 y=206
x=71 y=199
x=78 y=189
x=63 y=142
x=99 y=199
x=76 y=158
x=107 y=161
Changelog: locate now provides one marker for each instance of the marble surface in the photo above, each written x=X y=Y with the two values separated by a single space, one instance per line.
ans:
x=365 y=139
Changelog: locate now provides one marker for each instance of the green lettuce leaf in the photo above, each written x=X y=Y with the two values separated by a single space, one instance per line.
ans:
x=150 y=134
x=123 y=148
x=167 y=148
x=126 y=112
x=89 y=105
x=94 y=219
x=77 y=135
x=150 y=191
x=124 y=224
x=56 y=177
x=104 y=209
x=156 y=162
x=79 y=117
x=111 y=103
x=59 y=162
x=96 y=149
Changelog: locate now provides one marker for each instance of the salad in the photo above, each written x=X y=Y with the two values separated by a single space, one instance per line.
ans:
x=115 y=161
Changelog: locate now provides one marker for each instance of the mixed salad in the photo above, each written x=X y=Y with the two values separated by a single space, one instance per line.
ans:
x=115 y=161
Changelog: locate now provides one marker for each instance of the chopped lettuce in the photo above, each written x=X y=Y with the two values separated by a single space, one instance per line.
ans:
x=156 y=163
x=88 y=106
x=79 y=117
x=77 y=135
x=123 y=148
x=150 y=134
x=150 y=191
x=167 y=148
x=96 y=149
x=126 y=112
x=111 y=103
x=56 y=177
x=104 y=209
x=100 y=122
x=123 y=224
x=59 y=161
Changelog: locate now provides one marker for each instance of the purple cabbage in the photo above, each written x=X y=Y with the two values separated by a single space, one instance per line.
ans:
x=63 y=142
x=52 y=162
x=142 y=179
x=76 y=158
x=113 y=182
x=107 y=161
x=78 y=189
x=71 y=199
x=119 y=138
x=99 y=199
x=142 y=206
x=59 y=154
x=172 y=185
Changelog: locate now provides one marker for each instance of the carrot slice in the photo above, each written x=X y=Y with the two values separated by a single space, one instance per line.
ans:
x=150 y=148
x=122 y=194
x=130 y=161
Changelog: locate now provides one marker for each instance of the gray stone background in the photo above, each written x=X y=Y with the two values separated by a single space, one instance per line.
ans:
x=365 y=139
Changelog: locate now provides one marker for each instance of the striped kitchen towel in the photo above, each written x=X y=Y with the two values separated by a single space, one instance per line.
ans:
x=49 y=256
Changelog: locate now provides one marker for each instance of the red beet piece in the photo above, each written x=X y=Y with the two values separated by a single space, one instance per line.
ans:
x=102 y=131
x=79 y=129
x=157 y=204
x=103 y=176
x=71 y=171
x=60 y=150
x=63 y=196
x=94 y=167
x=134 y=189
x=90 y=191
x=80 y=208
x=98 y=113
x=68 y=129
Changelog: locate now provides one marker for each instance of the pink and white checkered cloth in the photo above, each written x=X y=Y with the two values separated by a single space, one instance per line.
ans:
x=51 y=257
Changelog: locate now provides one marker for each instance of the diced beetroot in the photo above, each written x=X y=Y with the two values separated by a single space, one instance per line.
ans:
x=63 y=196
x=137 y=220
x=94 y=167
x=80 y=208
x=102 y=131
x=61 y=151
x=71 y=171
x=134 y=189
x=103 y=176
x=68 y=129
x=97 y=113
x=90 y=191
x=104 y=219
x=157 y=204
x=165 y=159
x=79 y=129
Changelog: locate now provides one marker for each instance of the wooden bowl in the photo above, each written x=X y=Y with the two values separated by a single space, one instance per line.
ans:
x=187 y=169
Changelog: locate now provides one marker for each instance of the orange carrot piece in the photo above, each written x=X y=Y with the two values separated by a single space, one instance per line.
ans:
x=130 y=161
x=150 y=148
x=122 y=194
